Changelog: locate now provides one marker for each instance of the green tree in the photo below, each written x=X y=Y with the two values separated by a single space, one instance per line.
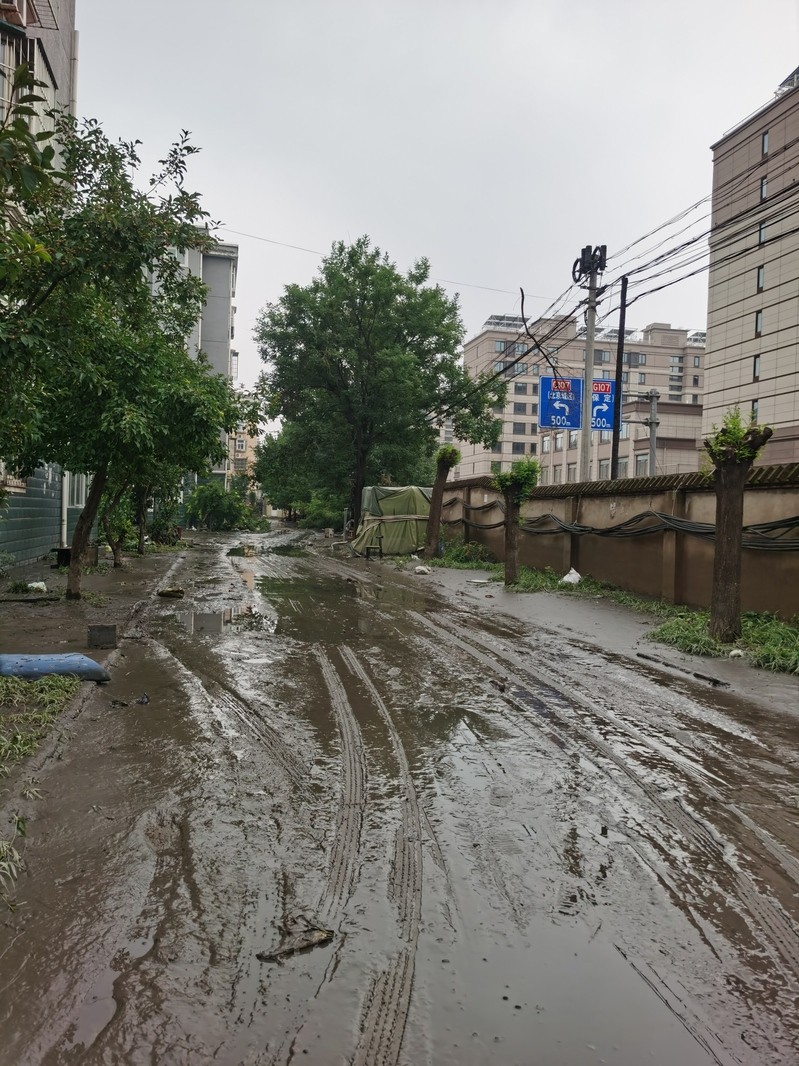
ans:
x=447 y=456
x=516 y=486
x=732 y=449
x=364 y=361
x=93 y=348
x=211 y=507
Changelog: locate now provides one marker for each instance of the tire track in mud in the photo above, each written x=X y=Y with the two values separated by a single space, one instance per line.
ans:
x=388 y=1002
x=773 y=922
x=211 y=692
x=349 y=823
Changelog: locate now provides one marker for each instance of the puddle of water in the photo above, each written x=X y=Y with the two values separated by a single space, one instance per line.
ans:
x=235 y=619
x=318 y=610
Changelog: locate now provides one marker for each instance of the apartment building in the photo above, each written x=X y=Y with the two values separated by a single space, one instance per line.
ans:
x=753 y=305
x=215 y=329
x=660 y=357
x=40 y=34
x=40 y=510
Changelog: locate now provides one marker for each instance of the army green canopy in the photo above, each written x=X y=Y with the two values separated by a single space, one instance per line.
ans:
x=398 y=515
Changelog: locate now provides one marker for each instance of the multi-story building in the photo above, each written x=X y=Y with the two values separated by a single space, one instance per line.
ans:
x=40 y=510
x=215 y=329
x=658 y=358
x=753 y=305
x=41 y=34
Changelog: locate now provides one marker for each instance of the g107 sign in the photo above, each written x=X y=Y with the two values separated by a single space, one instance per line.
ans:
x=560 y=402
x=603 y=403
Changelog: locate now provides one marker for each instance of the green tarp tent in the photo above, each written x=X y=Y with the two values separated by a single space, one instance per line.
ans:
x=398 y=515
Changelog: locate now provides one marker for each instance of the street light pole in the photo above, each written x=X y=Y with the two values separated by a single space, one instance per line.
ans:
x=653 y=422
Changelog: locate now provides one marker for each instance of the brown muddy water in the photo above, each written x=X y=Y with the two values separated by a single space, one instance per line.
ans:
x=368 y=817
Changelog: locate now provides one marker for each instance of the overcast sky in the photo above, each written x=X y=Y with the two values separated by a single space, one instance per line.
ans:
x=495 y=137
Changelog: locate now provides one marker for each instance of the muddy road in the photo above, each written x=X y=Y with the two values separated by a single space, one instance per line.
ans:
x=369 y=817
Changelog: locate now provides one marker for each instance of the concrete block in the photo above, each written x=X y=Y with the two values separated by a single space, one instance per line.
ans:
x=102 y=636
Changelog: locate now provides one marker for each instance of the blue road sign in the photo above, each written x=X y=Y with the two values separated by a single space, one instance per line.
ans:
x=560 y=402
x=603 y=404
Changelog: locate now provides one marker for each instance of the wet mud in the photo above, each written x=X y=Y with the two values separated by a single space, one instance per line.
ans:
x=371 y=817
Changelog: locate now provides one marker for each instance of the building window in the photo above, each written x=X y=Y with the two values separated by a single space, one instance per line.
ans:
x=518 y=429
x=559 y=441
x=608 y=374
x=642 y=358
x=241 y=444
x=574 y=438
x=543 y=476
x=758 y=323
x=761 y=278
x=557 y=475
x=624 y=431
x=534 y=410
x=77 y=490
x=571 y=472
x=496 y=467
x=695 y=397
x=533 y=448
x=763 y=188
x=500 y=346
x=534 y=385
x=605 y=436
x=756 y=368
x=625 y=377
x=604 y=469
x=641 y=465
x=496 y=449
x=622 y=469
x=517 y=447
x=520 y=349
x=533 y=427
x=545 y=445
x=695 y=381
x=240 y=465
x=498 y=408
x=642 y=379
x=764 y=142
x=697 y=360
x=520 y=388
x=753 y=412
x=761 y=233
x=601 y=357
x=520 y=408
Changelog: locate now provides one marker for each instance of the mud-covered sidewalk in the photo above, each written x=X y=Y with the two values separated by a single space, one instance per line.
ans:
x=331 y=811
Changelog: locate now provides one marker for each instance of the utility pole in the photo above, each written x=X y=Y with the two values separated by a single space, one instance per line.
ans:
x=653 y=422
x=614 y=447
x=590 y=263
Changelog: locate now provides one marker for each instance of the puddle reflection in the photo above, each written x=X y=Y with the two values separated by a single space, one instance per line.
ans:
x=231 y=619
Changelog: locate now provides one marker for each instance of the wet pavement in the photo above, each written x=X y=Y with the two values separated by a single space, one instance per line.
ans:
x=367 y=816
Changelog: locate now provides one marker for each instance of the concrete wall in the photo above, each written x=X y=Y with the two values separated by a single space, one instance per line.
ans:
x=677 y=567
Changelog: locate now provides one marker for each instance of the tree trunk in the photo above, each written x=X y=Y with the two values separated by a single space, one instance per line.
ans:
x=725 y=601
x=511 y=540
x=114 y=543
x=141 y=517
x=443 y=468
x=83 y=529
x=357 y=486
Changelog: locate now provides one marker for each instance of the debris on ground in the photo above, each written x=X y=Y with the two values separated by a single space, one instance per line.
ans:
x=572 y=578
x=174 y=593
x=310 y=936
x=422 y=570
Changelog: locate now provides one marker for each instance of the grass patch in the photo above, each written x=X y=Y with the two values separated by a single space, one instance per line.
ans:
x=27 y=711
x=461 y=556
x=767 y=641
